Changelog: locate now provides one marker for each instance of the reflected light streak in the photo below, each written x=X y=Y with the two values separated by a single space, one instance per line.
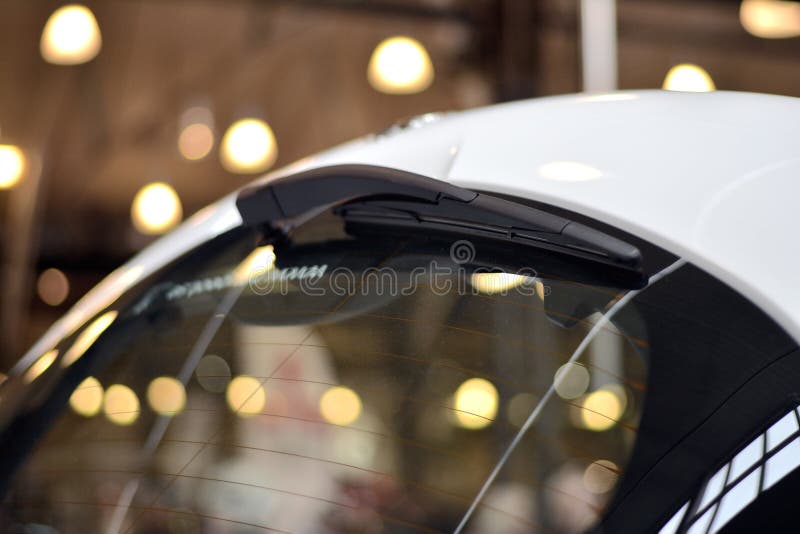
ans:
x=492 y=283
x=245 y=396
x=71 y=36
x=340 y=405
x=475 y=404
x=261 y=260
x=40 y=366
x=87 y=399
x=568 y=171
x=121 y=405
x=87 y=338
x=400 y=65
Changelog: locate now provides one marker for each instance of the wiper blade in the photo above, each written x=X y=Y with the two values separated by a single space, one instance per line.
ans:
x=388 y=197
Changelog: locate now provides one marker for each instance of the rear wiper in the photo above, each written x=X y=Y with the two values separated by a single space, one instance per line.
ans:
x=367 y=195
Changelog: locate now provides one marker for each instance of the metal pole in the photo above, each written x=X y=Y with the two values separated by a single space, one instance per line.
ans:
x=599 y=45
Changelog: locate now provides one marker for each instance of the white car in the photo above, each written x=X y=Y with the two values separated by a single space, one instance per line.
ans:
x=559 y=315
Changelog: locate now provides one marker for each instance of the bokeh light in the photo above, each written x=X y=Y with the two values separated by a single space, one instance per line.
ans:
x=87 y=399
x=475 y=403
x=340 y=405
x=245 y=396
x=156 y=209
x=601 y=409
x=249 y=146
x=262 y=259
x=400 y=65
x=71 y=36
x=196 y=141
x=600 y=476
x=571 y=380
x=520 y=407
x=52 y=287
x=213 y=373
x=166 y=395
x=12 y=166
x=87 y=338
x=40 y=365
x=121 y=405
x=770 y=19
x=688 y=78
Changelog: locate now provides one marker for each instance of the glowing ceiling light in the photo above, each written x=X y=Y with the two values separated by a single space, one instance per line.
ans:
x=12 y=166
x=770 y=19
x=600 y=476
x=400 y=65
x=571 y=380
x=475 y=403
x=121 y=405
x=52 y=287
x=245 y=396
x=40 y=366
x=688 y=78
x=340 y=405
x=156 y=209
x=601 y=409
x=491 y=283
x=87 y=338
x=248 y=146
x=568 y=171
x=87 y=399
x=71 y=36
x=166 y=395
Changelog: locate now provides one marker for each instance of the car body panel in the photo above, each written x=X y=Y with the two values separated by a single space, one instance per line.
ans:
x=711 y=177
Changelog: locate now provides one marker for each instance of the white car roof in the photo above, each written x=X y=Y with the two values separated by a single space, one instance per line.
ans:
x=712 y=177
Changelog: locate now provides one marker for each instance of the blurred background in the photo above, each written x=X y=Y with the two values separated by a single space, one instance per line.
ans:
x=119 y=118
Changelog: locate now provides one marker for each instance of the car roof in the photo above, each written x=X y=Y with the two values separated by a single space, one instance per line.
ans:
x=712 y=177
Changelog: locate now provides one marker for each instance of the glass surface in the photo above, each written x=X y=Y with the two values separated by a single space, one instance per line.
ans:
x=336 y=384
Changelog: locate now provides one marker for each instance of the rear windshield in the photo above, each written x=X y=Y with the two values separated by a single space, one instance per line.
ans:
x=332 y=383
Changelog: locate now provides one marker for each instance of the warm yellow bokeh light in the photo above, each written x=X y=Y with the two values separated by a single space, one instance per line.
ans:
x=40 y=366
x=121 y=405
x=601 y=409
x=12 y=166
x=475 y=403
x=87 y=338
x=491 y=283
x=248 y=146
x=568 y=171
x=688 y=78
x=571 y=380
x=245 y=396
x=52 y=287
x=87 y=399
x=400 y=65
x=340 y=405
x=166 y=395
x=600 y=476
x=196 y=141
x=770 y=19
x=71 y=36
x=156 y=209
x=261 y=260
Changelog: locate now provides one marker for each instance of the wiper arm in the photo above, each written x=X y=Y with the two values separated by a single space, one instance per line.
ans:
x=387 y=197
